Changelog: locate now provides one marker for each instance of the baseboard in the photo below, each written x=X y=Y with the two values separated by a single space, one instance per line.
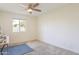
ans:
x=12 y=44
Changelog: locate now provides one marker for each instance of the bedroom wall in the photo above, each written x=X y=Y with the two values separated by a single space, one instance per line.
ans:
x=6 y=24
x=60 y=27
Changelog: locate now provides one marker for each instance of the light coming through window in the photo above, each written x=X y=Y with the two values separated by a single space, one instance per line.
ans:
x=18 y=25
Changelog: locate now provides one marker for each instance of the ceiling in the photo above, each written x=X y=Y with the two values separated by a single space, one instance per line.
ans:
x=17 y=8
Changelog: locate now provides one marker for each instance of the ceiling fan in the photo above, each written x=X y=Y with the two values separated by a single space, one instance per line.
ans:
x=31 y=7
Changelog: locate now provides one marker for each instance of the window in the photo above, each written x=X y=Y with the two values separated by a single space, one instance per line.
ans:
x=18 y=25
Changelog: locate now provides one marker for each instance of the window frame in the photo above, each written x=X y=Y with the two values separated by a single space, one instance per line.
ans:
x=19 y=28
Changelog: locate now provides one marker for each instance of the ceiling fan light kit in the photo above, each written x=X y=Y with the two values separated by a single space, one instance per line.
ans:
x=29 y=10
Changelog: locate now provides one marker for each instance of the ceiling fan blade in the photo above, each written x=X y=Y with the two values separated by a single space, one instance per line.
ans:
x=22 y=5
x=29 y=5
x=37 y=10
x=35 y=5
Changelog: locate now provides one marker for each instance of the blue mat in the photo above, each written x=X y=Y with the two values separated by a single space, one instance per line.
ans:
x=17 y=50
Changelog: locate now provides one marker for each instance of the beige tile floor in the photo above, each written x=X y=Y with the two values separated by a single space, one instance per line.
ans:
x=41 y=48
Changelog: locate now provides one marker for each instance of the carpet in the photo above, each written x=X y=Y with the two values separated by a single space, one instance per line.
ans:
x=17 y=50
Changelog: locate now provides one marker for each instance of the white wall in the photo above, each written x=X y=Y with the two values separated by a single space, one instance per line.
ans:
x=60 y=27
x=6 y=24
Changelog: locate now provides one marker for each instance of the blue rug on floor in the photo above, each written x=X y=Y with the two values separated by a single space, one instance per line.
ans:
x=17 y=50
